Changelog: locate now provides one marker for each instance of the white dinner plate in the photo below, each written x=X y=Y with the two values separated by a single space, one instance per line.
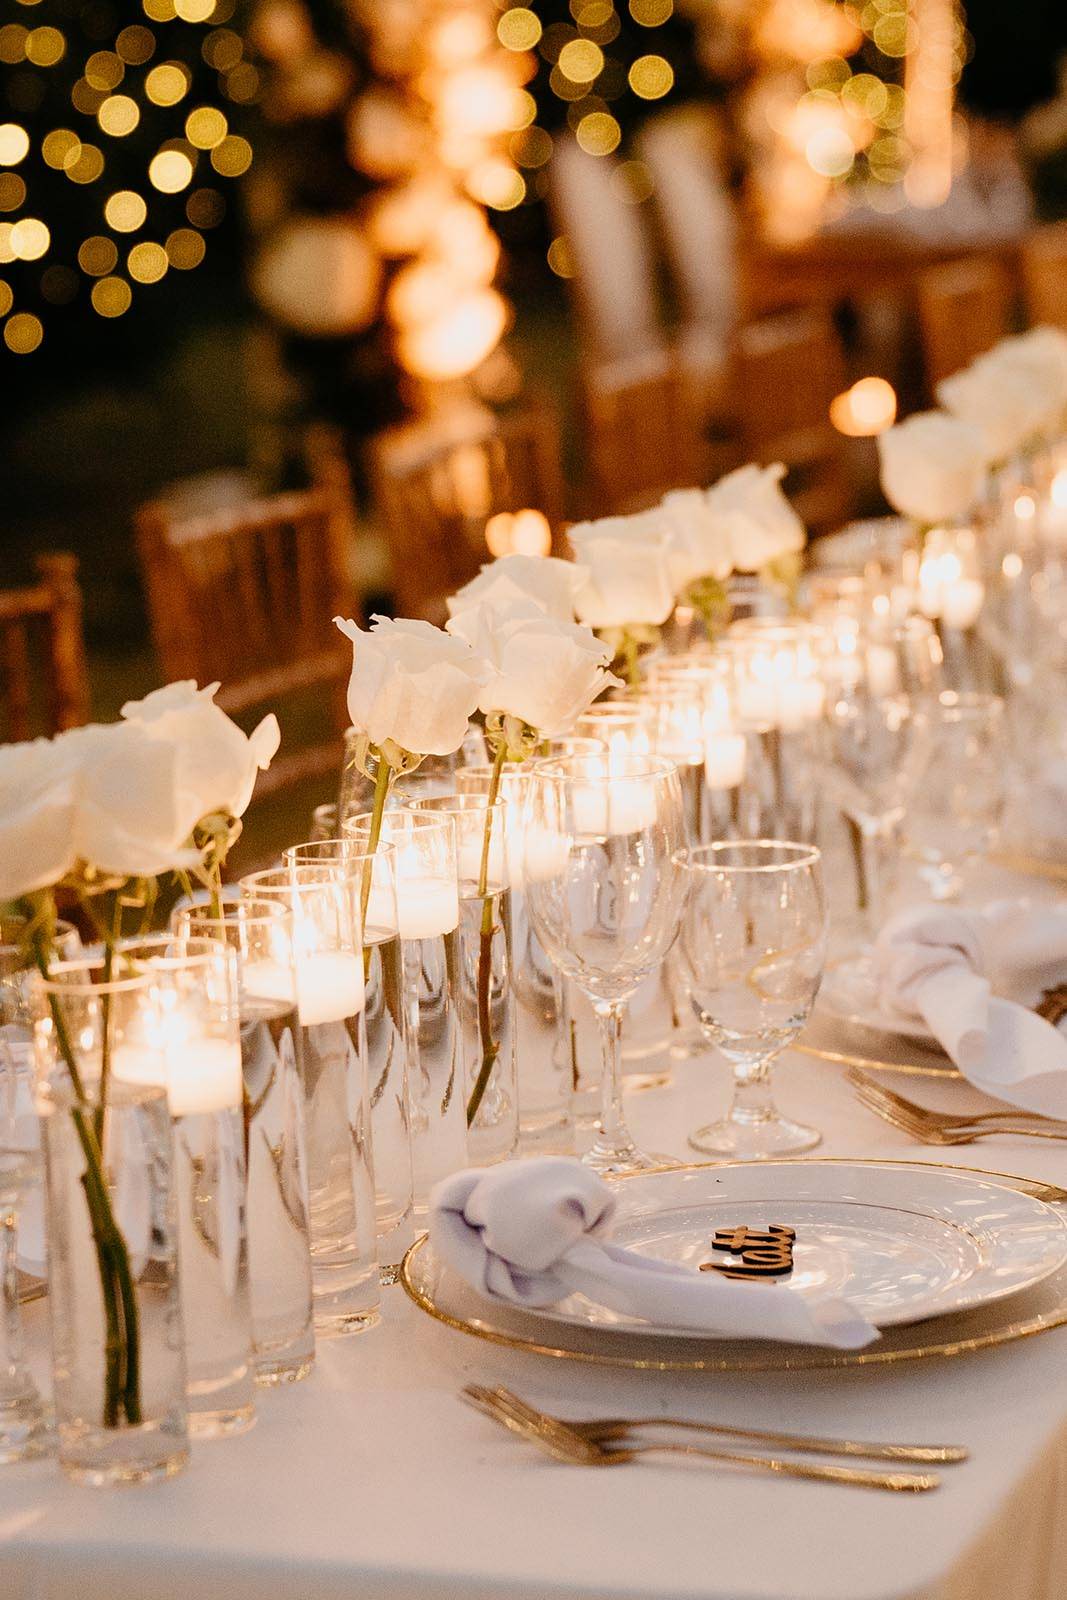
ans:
x=901 y=1243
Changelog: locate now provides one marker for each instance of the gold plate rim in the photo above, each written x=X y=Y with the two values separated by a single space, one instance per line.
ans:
x=815 y=1359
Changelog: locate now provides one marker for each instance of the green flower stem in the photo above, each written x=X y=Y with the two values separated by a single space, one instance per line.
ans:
x=122 y=1382
x=382 y=779
x=490 y=1048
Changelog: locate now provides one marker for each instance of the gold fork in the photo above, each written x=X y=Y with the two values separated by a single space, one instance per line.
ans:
x=606 y=1430
x=936 y=1127
x=565 y=1444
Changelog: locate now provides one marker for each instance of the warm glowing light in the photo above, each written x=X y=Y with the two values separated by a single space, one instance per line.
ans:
x=222 y=49
x=58 y=146
x=12 y=191
x=166 y=84
x=135 y=45
x=85 y=164
x=1012 y=565
x=598 y=133
x=581 y=60
x=561 y=258
x=1025 y=507
x=13 y=44
x=242 y=84
x=651 y=77
x=170 y=171
x=159 y=10
x=147 y=262
x=84 y=98
x=205 y=208
x=6 y=252
x=194 y=10
x=206 y=127
x=419 y=292
x=481 y=100
x=867 y=409
x=1058 y=489
x=14 y=144
x=104 y=70
x=633 y=182
x=30 y=239
x=23 y=333
x=520 y=533
x=7 y=298
x=496 y=183
x=830 y=151
x=651 y=13
x=44 y=47
x=532 y=147
x=97 y=255
x=525 y=109
x=118 y=115
x=232 y=156
x=185 y=249
x=111 y=297
x=519 y=29
x=125 y=211
x=459 y=340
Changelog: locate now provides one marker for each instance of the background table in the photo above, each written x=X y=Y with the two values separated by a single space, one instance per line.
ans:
x=371 y=1481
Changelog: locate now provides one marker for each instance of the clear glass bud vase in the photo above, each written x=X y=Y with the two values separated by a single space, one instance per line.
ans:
x=142 y=1436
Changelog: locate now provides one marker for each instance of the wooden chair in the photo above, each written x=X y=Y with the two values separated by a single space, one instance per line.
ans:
x=437 y=483
x=1044 y=275
x=787 y=370
x=42 y=653
x=643 y=423
x=964 y=309
x=247 y=596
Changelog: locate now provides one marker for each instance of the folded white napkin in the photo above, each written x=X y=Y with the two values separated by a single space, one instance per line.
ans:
x=944 y=965
x=530 y=1233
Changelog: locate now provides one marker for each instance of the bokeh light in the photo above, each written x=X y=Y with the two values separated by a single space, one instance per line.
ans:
x=232 y=156
x=519 y=28
x=170 y=171
x=118 y=115
x=868 y=408
x=598 y=133
x=111 y=297
x=185 y=249
x=206 y=127
x=97 y=255
x=166 y=84
x=23 y=333
x=14 y=144
x=147 y=262
x=30 y=239
x=651 y=77
x=125 y=211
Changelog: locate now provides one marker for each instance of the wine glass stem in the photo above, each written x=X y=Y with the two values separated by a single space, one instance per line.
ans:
x=752 y=1100
x=612 y=1132
x=875 y=841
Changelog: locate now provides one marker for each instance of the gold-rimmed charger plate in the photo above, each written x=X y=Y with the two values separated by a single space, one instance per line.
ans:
x=445 y=1297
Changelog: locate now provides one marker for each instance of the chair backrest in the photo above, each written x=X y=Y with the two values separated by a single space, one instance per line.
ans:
x=643 y=431
x=1044 y=274
x=788 y=369
x=697 y=217
x=43 y=677
x=615 y=269
x=436 y=485
x=964 y=309
x=247 y=595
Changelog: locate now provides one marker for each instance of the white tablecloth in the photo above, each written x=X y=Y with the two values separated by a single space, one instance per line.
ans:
x=371 y=1481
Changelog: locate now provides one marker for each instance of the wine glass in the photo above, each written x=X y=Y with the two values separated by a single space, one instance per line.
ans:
x=873 y=672
x=752 y=946
x=955 y=786
x=607 y=898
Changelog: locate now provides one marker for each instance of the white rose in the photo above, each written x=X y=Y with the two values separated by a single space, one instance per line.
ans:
x=628 y=580
x=752 y=510
x=1039 y=359
x=413 y=684
x=38 y=791
x=216 y=763
x=543 y=671
x=133 y=816
x=700 y=545
x=550 y=583
x=997 y=397
x=933 y=466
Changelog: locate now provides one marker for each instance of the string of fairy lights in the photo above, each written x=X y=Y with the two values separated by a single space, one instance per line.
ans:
x=117 y=184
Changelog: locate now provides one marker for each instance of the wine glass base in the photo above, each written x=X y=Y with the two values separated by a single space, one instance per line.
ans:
x=26 y=1430
x=620 y=1163
x=759 y=1140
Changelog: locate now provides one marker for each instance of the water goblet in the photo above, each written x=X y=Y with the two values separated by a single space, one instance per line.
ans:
x=607 y=900
x=955 y=787
x=753 y=946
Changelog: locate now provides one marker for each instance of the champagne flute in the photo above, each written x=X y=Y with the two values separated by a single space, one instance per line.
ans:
x=753 y=945
x=607 y=899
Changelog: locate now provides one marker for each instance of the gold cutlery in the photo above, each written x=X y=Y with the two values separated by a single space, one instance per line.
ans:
x=842 y=1058
x=948 y=1119
x=607 y=1430
x=564 y=1443
x=931 y=1127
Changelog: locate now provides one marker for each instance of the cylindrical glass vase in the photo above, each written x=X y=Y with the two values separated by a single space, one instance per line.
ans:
x=260 y=933
x=424 y=845
x=486 y=997
x=118 y=1357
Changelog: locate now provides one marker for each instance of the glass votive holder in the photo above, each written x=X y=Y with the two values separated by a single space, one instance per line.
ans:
x=370 y=877
x=330 y=992
x=486 y=995
x=424 y=845
x=260 y=934
x=186 y=1038
x=619 y=724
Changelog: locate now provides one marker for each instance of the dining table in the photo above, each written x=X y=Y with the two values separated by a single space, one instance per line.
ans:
x=372 y=1480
